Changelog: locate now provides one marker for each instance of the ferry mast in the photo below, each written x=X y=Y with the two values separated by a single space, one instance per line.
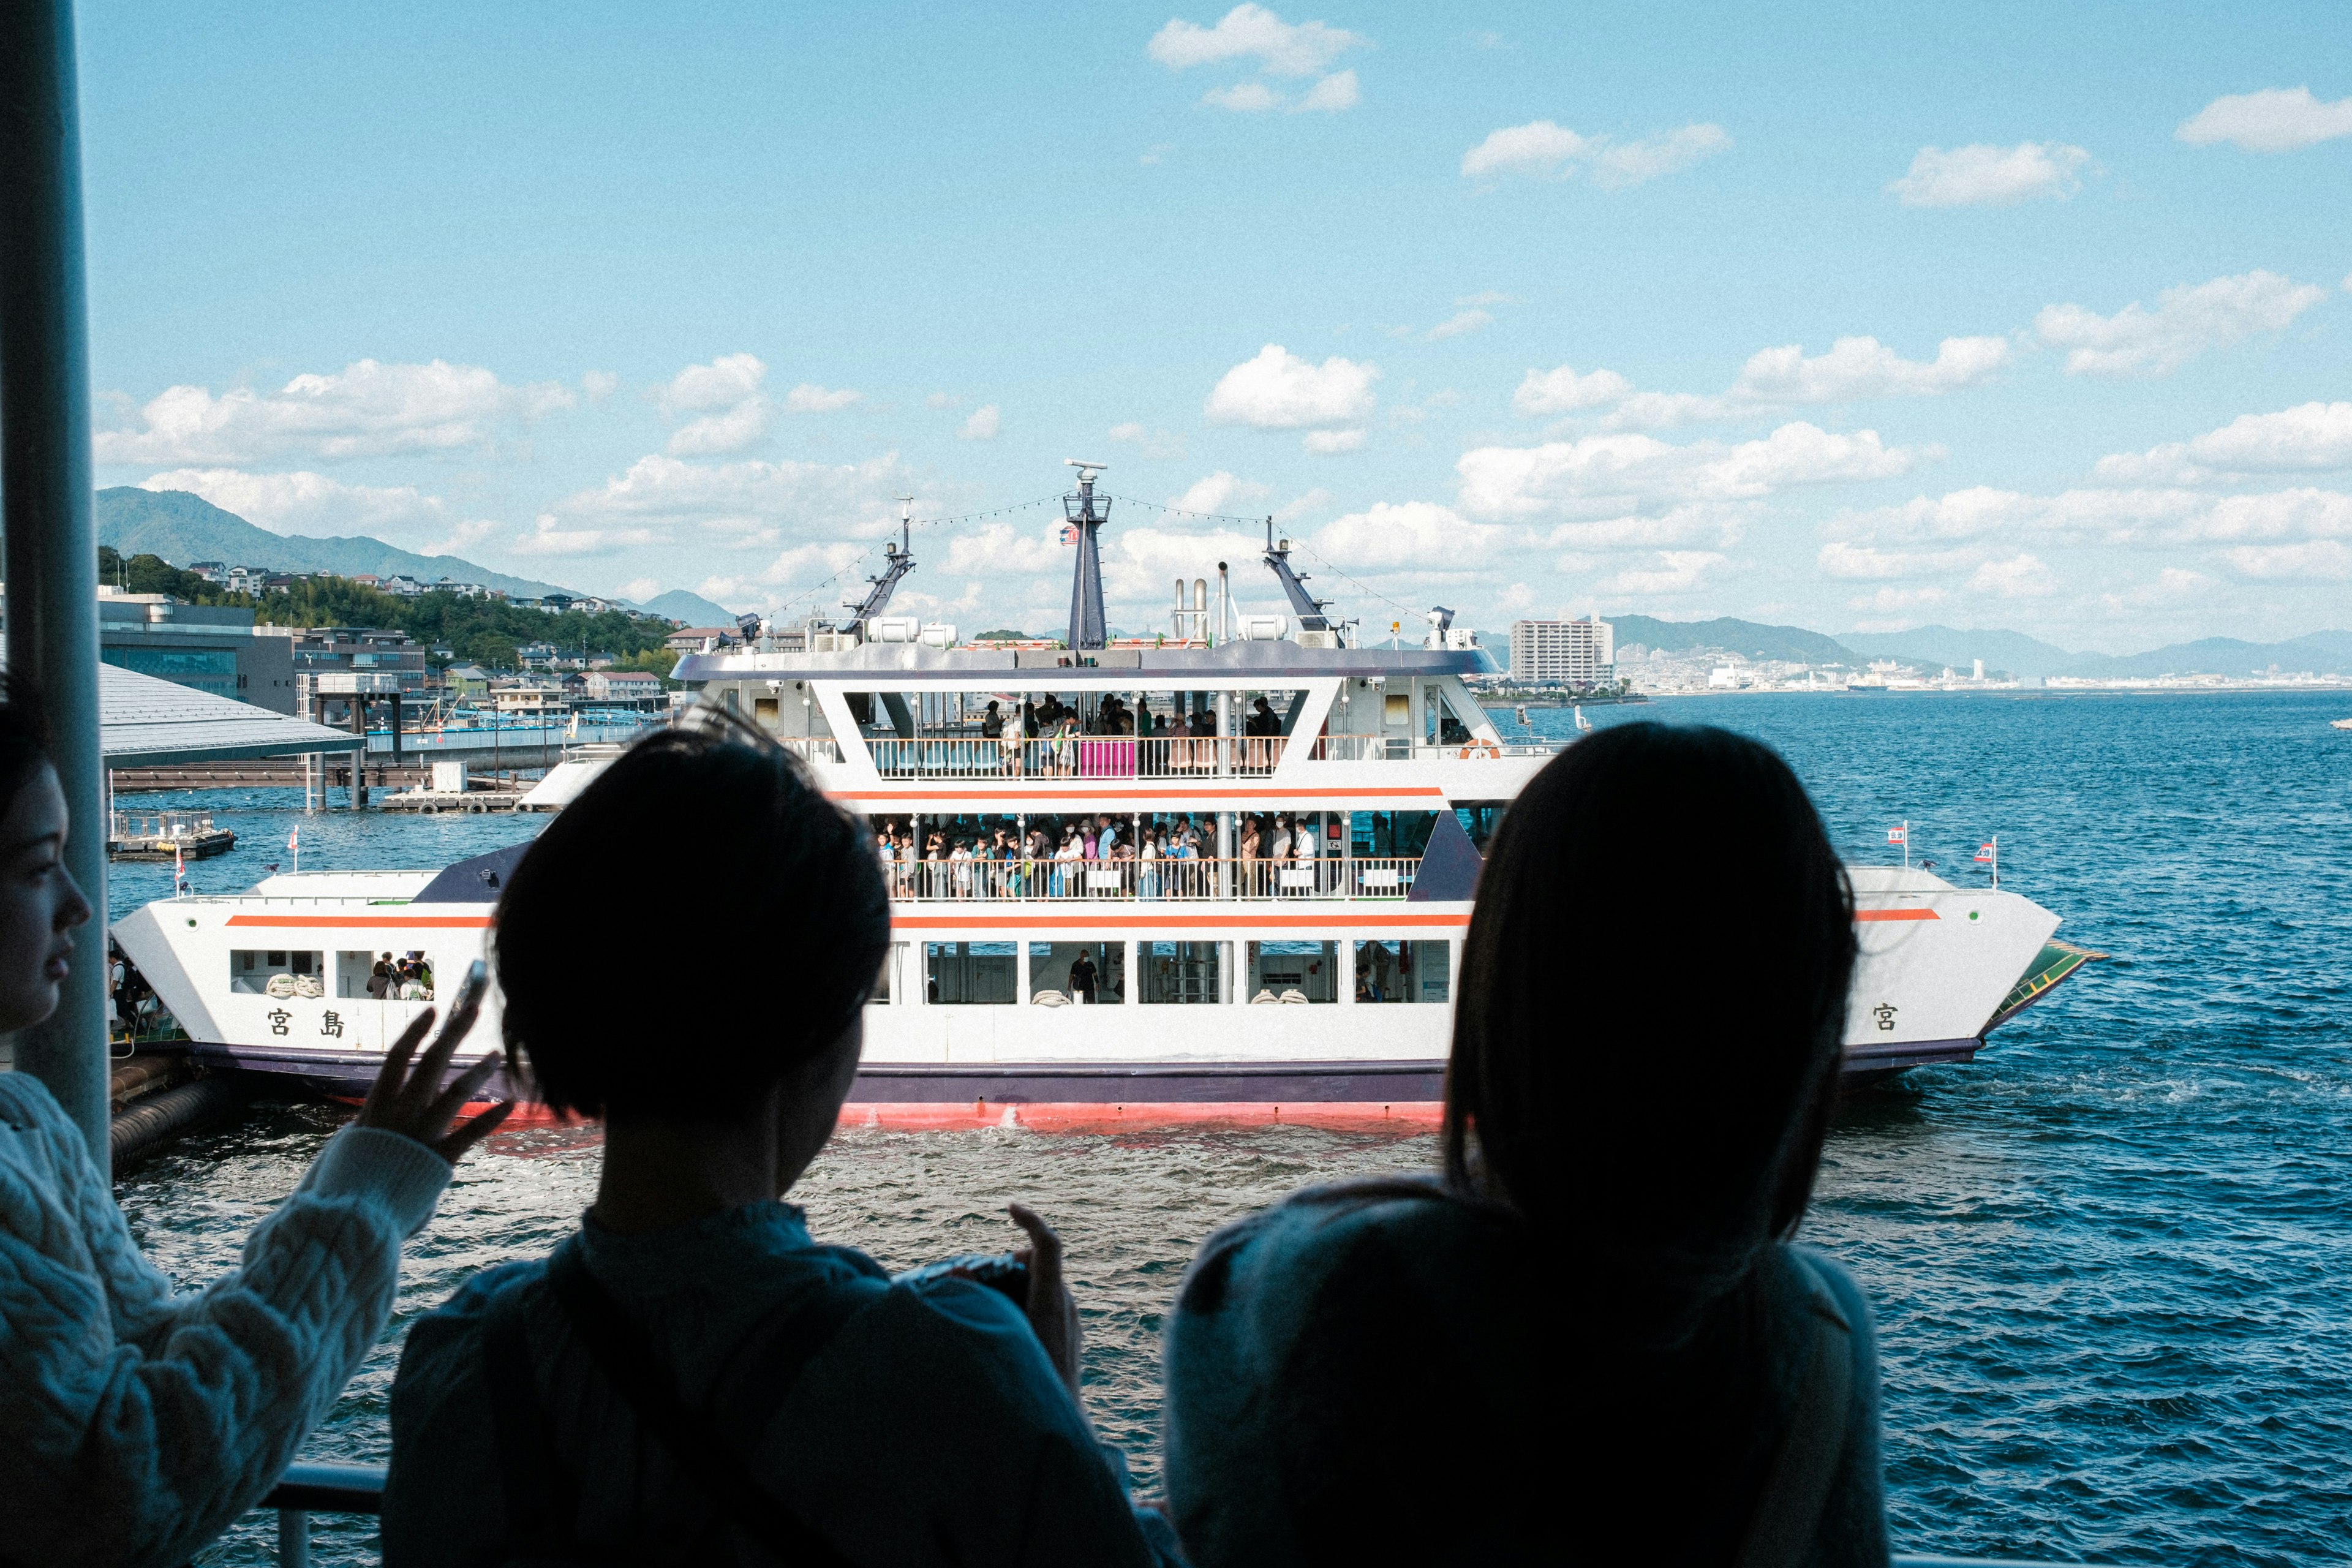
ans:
x=1305 y=605
x=1088 y=628
x=897 y=560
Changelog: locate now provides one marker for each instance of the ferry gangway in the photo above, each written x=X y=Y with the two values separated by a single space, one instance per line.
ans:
x=308 y=1489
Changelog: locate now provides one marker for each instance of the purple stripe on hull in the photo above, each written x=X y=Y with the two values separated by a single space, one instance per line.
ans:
x=1875 y=1058
x=1109 y=1083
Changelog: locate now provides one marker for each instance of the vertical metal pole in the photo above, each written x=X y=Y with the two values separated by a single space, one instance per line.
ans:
x=45 y=473
x=293 y=1538
x=359 y=757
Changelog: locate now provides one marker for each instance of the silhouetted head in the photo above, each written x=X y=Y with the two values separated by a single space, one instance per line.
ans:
x=1653 y=992
x=688 y=825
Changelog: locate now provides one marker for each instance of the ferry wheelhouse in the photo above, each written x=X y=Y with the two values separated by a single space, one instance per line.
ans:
x=1224 y=873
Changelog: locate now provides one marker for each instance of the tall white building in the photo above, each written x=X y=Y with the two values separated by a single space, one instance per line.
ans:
x=1576 y=653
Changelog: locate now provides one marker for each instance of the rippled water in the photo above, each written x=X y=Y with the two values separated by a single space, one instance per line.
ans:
x=2111 y=1262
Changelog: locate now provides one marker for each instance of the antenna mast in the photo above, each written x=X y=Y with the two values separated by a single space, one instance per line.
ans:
x=897 y=560
x=1088 y=629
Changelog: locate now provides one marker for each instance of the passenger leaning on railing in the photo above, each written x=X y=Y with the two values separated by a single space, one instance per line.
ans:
x=137 y=1424
x=689 y=1377
x=1590 y=1338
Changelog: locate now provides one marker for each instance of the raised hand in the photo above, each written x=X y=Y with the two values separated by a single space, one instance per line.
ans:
x=414 y=1105
x=1052 y=1310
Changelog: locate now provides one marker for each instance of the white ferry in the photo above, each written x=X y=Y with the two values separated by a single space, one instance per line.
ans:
x=1223 y=874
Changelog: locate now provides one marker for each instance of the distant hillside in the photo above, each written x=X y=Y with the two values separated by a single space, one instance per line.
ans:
x=692 y=608
x=1747 y=637
x=182 y=528
x=1937 y=646
x=2324 y=653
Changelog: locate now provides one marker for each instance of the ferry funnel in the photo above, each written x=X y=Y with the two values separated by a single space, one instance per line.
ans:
x=1088 y=629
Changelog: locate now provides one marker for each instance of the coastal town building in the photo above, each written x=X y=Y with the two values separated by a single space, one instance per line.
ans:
x=396 y=656
x=207 y=648
x=1563 y=652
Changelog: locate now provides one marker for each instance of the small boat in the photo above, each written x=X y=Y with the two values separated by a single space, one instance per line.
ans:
x=1581 y=722
x=2340 y=723
x=161 y=834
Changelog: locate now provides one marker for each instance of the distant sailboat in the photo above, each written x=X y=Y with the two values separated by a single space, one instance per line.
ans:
x=1581 y=722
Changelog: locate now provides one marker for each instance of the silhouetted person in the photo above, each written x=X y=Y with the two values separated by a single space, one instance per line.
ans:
x=1589 y=1338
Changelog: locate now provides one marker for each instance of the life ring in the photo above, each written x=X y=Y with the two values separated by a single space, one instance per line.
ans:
x=1478 y=748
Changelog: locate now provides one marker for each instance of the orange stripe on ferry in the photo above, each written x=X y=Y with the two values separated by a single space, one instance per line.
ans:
x=1861 y=915
x=1143 y=920
x=1111 y=789
x=341 y=922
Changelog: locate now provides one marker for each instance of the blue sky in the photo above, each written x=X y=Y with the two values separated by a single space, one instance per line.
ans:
x=2032 y=317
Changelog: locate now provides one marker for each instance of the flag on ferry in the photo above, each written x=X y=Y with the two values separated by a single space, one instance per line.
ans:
x=1898 y=836
x=1984 y=852
x=1069 y=534
x=179 y=873
x=294 y=839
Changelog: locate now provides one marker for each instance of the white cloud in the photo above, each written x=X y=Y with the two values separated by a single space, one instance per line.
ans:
x=2185 y=323
x=744 y=501
x=1677 y=572
x=548 y=537
x=2312 y=435
x=943 y=400
x=305 y=502
x=464 y=537
x=1562 y=390
x=808 y=397
x=1984 y=177
x=1868 y=564
x=2020 y=577
x=1393 y=535
x=1456 y=325
x=1330 y=443
x=1158 y=444
x=637 y=590
x=600 y=385
x=1219 y=492
x=1541 y=148
x=1898 y=601
x=1253 y=32
x=1279 y=391
x=1243 y=97
x=1865 y=367
x=722 y=384
x=1626 y=469
x=1335 y=92
x=1719 y=523
x=720 y=434
x=2322 y=560
x=726 y=394
x=984 y=425
x=2172 y=585
x=2275 y=120
x=368 y=409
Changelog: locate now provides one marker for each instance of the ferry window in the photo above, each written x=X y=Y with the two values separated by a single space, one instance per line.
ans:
x=960 y=973
x=1479 y=820
x=1182 y=972
x=763 y=712
x=387 y=976
x=880 y=995
x=265 y=972
x=1293 y=972
x=1054 y=969
x=1404 y=970
x=1440 y=725
x=1384 y=835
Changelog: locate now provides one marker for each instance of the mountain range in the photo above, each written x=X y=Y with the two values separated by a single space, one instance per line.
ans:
x=182 y=528
x=692 y=608
x=1934 y=646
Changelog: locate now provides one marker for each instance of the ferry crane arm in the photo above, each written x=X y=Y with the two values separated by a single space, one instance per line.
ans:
x=1305 y=605
x=897 y=560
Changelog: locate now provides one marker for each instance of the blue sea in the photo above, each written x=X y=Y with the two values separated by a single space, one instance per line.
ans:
x=2111 y=1261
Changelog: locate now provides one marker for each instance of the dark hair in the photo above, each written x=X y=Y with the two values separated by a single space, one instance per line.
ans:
x=25 y=738
x=1653 y=992
x=695 y=831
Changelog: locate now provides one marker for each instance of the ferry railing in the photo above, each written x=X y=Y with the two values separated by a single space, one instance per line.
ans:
x=306 y=1490
x=1051 y=758
x=1172 y=879
x=1401 y=748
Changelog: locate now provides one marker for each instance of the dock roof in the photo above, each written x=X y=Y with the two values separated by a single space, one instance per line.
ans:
x=146 y=722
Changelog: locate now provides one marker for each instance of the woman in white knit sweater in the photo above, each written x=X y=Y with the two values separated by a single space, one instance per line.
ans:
x=137 y=1423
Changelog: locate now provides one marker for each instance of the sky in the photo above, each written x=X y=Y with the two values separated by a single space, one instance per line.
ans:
x=2029 y=317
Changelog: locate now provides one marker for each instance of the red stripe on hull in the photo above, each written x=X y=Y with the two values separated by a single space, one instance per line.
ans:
x=1409 y=1117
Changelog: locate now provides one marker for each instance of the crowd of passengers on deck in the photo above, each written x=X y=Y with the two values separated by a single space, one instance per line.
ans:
x=1049 y=737
x=691 y=1375
x=1099 y=855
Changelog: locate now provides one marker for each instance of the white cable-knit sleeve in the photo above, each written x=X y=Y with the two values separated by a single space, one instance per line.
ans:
x=140 y=1423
